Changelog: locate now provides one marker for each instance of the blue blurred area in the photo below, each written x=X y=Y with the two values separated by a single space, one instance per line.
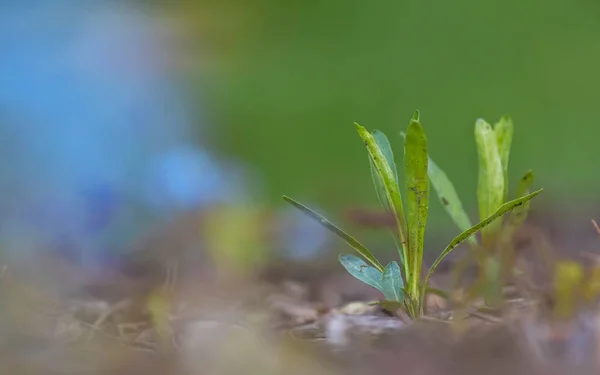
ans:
x=96 y=135
x=100 y=143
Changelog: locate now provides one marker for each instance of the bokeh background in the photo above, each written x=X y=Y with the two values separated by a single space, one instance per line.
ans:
x=274 y=88
x=144 y=138
x=288 y=79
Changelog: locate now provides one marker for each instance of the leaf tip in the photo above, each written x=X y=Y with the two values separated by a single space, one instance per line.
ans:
x=481 y=124
x=416 y=115
x=507 y=119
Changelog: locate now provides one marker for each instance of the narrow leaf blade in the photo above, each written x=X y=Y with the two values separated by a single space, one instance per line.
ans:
x=362 y=271
x=362 y=250
x=416 y=115
x=519 y=214
x=504 y=130
x=447 y=195
x=392 y=282
x=525 y=183
x=386 y=148
x=417 y=199
x=506 y=207
x=391 y=187
x=449 y=198
x=490 y=187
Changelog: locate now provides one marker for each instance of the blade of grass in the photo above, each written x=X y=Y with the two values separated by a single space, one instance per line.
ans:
x=417 y=200
x=519 y=214
x=340 y=233
x=391 y=282
x=508 y=206
x=416 y=116
x=386 y=148
x=362 y=271
x=504 y=133
x=490 y=187
x=449 y=198
x=391 y=187
x=525 y=183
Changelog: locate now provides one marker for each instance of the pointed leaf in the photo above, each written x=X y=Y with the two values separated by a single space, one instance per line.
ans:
x=362 y=271
x=416 y=116
x=490 y=188
x=417 y=200
x=508 y=206
x=519 y=214
x=449 y=198
x=504 y=134
x=392 y=282
x=343 y=235
x=447 y=195
x=391 y=187
x=524 y=185
x=385 y=147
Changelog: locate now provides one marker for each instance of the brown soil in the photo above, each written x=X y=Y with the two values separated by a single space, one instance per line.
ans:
x=291 y=318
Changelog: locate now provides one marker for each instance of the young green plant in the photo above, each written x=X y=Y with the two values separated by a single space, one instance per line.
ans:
x=402 y=283
x=493 y=149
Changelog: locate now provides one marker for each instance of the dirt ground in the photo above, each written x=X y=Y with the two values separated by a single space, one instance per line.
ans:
x=173 y=315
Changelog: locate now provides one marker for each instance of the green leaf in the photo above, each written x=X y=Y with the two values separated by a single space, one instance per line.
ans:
x=519 y=214
x=398 y=247
x=447 y=195
x=417 y=200
x=525 y=183
x=385 y=147
x=504 y=133
x=392 y=282
x=508 y=206
x=490 y=188
x=362 y=271
x=416 y=116
x=343 y=235
x=449 y=198
x=389 y=182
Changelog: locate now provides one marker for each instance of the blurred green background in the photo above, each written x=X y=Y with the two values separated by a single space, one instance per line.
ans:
x=287 y=80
